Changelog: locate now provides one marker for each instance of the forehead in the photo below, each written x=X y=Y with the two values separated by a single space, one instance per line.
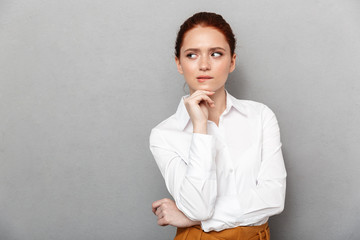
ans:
x=204 y=37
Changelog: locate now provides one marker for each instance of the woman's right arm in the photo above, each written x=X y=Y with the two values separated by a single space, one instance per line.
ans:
x=191 y=182
x=196 y=106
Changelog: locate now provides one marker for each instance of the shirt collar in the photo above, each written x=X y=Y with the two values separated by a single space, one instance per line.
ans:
x=183 y=117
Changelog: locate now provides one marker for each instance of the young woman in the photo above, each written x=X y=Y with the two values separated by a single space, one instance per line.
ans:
x=220 y=156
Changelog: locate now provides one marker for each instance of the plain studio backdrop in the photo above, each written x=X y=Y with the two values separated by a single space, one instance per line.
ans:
x=84 y=82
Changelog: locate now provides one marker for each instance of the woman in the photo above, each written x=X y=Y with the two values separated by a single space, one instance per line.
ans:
x=220 y=156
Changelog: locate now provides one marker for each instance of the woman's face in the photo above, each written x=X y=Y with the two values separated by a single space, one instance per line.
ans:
x=205 y=59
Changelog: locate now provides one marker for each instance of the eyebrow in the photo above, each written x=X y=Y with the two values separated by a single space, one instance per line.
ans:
x=197 y=49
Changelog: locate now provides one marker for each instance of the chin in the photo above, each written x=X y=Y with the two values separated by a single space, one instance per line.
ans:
x=206 y=88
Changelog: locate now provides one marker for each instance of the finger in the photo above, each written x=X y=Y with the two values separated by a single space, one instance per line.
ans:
x=212 y=104
x=194 y=96
x=154 y=209
x=158 y=211
x=162 y=222
x=161 y=215
x=205 y=98
x=157 y=203
x=201 y=95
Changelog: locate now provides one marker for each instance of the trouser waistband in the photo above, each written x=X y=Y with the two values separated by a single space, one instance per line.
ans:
x=261 y=232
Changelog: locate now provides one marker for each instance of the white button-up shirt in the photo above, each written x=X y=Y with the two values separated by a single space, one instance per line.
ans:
x=232 y=176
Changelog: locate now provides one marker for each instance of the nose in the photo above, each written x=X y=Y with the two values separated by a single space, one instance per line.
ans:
x=204 y=63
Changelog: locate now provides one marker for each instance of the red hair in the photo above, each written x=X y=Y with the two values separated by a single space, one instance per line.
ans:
x=205 y=19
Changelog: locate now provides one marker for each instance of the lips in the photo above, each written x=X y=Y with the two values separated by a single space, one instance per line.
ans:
x=203 y=78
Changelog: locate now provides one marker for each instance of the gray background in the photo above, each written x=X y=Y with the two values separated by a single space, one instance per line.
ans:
x=83 y=83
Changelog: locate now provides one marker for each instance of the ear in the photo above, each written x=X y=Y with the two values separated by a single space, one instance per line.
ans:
x=233 y=63
x=179 y=68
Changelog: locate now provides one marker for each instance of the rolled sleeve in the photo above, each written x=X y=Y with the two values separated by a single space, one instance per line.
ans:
x=191 y=182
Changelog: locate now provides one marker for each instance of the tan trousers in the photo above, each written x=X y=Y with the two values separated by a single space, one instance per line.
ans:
x=261 y=232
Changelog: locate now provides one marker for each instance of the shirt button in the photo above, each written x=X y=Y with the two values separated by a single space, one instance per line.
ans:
x=231 y=170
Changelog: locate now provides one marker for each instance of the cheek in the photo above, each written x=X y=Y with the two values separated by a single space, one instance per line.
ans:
x=188 y=68
x=223 y=67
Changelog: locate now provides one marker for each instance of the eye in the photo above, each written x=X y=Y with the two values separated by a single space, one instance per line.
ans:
x=191 y=55
x=216 y=54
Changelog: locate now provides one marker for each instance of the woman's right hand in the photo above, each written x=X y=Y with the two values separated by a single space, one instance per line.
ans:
x=197 y=107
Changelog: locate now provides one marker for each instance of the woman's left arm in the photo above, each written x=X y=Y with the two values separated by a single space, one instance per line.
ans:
x=168 y=214
x=267 y=196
